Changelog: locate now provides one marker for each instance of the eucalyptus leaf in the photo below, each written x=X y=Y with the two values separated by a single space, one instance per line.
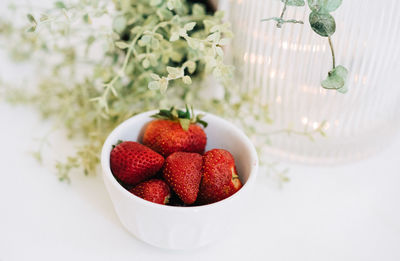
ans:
x=294 y=2
x=336 y=79
x=322 y=24
x=341 y=71
x=324 y=6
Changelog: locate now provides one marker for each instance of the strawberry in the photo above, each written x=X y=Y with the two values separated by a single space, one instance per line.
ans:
x=182 y=172
x=154 y=190
x=132 y=162
x=220 y=179
x=175 y=130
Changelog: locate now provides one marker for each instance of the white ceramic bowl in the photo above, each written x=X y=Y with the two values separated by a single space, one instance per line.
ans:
x=182 y=227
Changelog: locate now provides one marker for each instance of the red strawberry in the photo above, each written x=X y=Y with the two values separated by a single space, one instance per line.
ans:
x=220 y=179
x=132 y=162
x=175 y=130
x=182 y=172
x=154 y=190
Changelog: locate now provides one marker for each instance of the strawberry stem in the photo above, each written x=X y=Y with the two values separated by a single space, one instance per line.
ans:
x=185 y=118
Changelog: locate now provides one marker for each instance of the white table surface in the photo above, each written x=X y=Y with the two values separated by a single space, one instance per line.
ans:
x=349 y=212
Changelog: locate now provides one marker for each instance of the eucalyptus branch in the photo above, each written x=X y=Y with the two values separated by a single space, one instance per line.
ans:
x=279 y=20
x=324 y=25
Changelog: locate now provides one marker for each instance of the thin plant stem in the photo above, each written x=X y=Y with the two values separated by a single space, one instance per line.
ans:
x=333 y=52
x=279 y=25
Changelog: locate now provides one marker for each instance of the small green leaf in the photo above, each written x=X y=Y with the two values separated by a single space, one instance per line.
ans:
x=200 y=121
x=214 y=37
x=341 y=71
x=294 y=2
x=219 y=51
x=174 y=37
x=173 y=72
x=119 y=24
x=187 y=80
x=155 y=44
x=191 y=66
x=185 y=124
x=164 y=14
x=154 y=85
x=155 y=77
x=145 y=40
x=322 y=24
x=170 y=5
x=324 y=6
x=146 y=63
x=122 y=45
x=44 y=17
x=31 y=19
x=189 y=26
x=193 y=43
x=86 y=19
x=198 y=10
x=163 y=84
x=31 y=29
x=155 y=2
x=223 y=41
x=333 y=82
x=60 y=5
x=336 y=79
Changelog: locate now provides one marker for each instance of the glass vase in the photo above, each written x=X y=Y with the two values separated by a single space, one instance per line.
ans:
x=287 y=65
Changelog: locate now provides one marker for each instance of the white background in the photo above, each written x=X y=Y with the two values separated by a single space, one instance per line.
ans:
x=349 y=212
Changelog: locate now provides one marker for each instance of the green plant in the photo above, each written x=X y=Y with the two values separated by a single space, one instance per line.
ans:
x=322 y=23
x=90 y=75
x=101 y=62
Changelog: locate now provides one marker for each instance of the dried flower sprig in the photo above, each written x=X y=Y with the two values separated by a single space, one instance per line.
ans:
x=103 y=62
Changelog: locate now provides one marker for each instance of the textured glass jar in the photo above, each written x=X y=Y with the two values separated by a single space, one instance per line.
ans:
x=288 y=64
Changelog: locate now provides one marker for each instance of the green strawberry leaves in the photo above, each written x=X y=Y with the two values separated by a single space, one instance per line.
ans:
x=185 y=118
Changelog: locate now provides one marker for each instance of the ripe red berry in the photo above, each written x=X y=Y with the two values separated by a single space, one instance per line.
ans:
x=173 y=131
x=182 y=172
x=154 y=190
x=132 y=162
x=220 y=179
